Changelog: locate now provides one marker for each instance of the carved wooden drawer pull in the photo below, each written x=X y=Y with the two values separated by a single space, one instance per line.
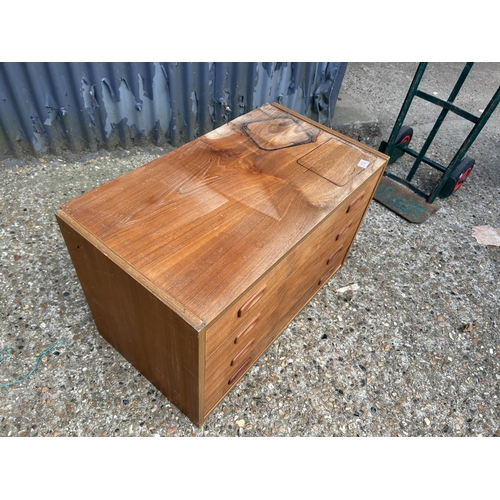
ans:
x=334 y=254
x=324 y=277
x=239 y=371
x=343 y=230
x=245 y=330
x=355 y=201
x=242 y=353
x=251 y=302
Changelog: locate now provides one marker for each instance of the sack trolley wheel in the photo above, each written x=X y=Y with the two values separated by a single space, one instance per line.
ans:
x=404 y=136
x=457 y=178
x=402 y=140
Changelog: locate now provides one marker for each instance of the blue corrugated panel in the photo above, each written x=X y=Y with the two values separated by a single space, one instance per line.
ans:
x=88 y=106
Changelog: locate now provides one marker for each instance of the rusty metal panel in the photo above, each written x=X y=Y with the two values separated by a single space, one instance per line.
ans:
x=49 y=107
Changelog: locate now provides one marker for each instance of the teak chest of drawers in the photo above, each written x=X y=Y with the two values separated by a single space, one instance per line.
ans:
x=194 y=263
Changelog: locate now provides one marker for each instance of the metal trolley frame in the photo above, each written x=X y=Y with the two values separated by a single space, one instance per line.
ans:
x=412 y=203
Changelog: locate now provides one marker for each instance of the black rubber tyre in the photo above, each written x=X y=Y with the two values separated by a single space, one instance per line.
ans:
x=458 y=177
x=403 y=138
x=404 y=135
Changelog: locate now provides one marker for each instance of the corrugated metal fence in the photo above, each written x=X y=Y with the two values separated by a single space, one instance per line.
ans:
x=49 y=107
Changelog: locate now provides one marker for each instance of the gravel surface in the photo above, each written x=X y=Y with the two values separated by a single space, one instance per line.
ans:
x=412 y=349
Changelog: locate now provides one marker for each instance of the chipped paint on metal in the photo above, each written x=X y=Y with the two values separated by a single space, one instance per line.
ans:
x=81 y=106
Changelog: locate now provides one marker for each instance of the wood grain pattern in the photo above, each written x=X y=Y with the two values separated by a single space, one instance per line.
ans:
x=279 y=133
x=289 y=299
x=337 y=163
x=307 y=267
x=321 y=239
x=194 y=263
x=155 y=340
x=314 y=263
x=215 y=198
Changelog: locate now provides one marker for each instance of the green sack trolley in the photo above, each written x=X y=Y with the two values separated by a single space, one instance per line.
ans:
x=399 y=194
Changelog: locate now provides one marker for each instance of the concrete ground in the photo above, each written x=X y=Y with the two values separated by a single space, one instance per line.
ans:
x=413 y=351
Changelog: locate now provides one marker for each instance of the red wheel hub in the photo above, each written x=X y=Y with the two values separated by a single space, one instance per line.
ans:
x=462 y=178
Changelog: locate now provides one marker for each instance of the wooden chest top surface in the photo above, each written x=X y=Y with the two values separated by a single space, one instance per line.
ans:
x=205 y=221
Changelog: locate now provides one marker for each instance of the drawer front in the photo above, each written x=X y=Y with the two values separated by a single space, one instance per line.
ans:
x=241 y=349
x=327 y=239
